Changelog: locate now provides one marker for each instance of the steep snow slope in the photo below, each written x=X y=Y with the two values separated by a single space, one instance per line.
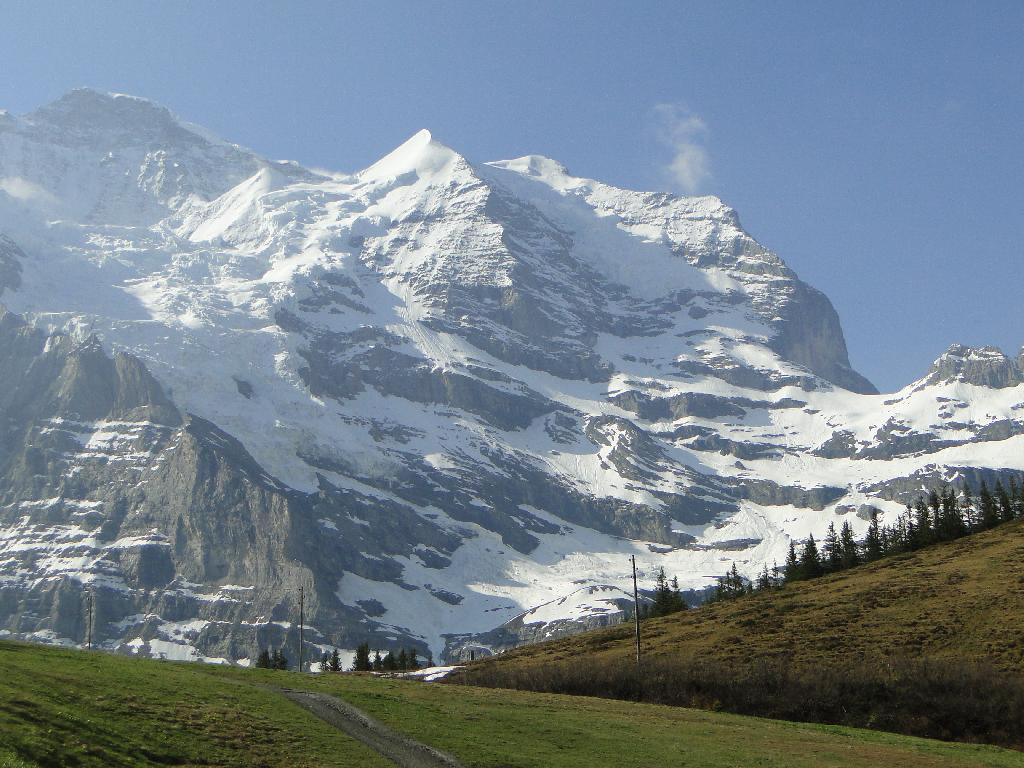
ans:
x=459 y=391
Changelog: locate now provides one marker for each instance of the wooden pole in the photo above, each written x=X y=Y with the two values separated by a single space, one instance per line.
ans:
x=301 y=620
x=636 y=611
x=88 y=622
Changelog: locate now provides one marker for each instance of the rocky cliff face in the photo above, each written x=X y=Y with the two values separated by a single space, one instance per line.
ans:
x=447 y=399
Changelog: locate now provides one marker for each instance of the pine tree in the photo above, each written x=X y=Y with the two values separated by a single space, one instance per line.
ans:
x=989 y=508
x=967 y=509
x=279 y=660
x=335 y=661
x=906 y=535
x=325 y=662
x=764 y=580
x=390 y=664
x=263 y=661
x=873 y=541
x=1004 y=503
x=922 y=525
x=810 y=560
x=1017 y=498
x=362 y=662
x=935 y=513
x=378 y=662
x=667 y=597
x=952 y=526
x=831 y=549
x=848 y=547
x=402 y=662
x=792 y=567
x=414 y=662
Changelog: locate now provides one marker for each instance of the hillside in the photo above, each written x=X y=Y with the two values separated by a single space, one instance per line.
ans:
x=962 y=600
x=72 y=708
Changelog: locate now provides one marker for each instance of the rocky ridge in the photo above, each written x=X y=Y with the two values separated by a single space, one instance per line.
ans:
x=448 y=399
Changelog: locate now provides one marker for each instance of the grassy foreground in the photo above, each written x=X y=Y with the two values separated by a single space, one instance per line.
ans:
x=69 y=708
x=962 y=600
x=72 y=708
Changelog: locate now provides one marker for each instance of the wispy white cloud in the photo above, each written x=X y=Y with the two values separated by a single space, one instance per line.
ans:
x=25 y=191
x=684 y=134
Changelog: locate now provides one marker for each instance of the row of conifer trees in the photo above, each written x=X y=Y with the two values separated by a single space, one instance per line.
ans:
x=272 y=659
x=941 y=515
x=403 y=661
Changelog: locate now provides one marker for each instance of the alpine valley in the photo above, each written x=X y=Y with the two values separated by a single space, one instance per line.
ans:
x=447 y=399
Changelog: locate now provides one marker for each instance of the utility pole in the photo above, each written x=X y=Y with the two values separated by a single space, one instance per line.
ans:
x=301 y=620
x=88 y=621
x=636 y=611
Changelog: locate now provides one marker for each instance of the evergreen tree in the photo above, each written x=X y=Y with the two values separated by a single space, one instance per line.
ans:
x=667 y=597
x=362 y=662
x=325 y=662
x=849 y=556
x=414 y=662
x=831 y=549
x=1017 y=498
x=952 y=523
x=335 y=661
x=905 y=537
x=792 y=567
x=967 y=510
x=279 y=660
x=730 y=586
x=989 y=508
x=873 y=541
x=1004 y=503
x=922 y=525
x=810 y=560
x=935 y=512
x=378 y=662
x=263 y=661
x=402 y=662
x=764 y=580
x=430 y=659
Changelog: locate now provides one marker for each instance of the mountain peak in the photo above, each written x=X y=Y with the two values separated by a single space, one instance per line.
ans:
x=85 y=113
x=982 y=366
x=421 y=154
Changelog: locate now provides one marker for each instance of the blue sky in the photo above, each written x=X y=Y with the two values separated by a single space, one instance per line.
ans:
x=876 y=147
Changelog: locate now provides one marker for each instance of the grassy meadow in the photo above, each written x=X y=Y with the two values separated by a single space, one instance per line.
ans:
x=72 y=708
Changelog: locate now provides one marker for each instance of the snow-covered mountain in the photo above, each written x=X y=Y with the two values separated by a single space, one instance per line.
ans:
x=448 y=398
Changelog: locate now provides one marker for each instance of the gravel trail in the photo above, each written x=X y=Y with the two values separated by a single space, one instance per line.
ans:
x=399 y=749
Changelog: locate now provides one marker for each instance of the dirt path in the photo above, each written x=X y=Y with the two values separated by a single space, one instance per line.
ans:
x=399 y=749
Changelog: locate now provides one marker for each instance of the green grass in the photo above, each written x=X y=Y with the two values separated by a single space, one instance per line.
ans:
x=69 y=708
x=512 y=729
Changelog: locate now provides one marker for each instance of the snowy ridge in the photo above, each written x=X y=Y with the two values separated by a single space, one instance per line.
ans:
x=523 y=377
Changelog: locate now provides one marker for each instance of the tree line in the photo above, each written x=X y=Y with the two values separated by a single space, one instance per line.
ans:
x=272 y=659
x=403 y=661
x=940 y=515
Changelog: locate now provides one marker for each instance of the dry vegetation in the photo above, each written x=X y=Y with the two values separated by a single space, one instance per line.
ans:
x=962 y=600
x=929 y=643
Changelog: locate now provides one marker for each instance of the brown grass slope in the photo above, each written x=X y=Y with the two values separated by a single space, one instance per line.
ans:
x=962 y=600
